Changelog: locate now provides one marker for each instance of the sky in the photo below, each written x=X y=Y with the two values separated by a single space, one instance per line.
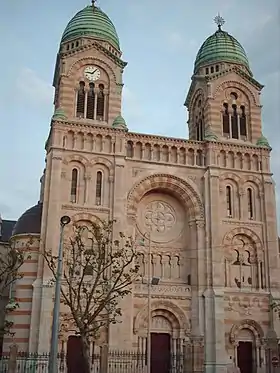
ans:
x=159 y=40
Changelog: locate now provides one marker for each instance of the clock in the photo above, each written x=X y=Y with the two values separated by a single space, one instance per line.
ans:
x=92 y=73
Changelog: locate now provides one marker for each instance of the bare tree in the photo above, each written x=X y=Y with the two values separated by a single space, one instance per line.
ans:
x=11 y=261
x=97 y=274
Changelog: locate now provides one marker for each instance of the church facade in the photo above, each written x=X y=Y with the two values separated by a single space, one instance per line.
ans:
x=208 y=203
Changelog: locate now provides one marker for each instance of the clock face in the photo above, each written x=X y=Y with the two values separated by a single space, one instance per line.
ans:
x=92 y=73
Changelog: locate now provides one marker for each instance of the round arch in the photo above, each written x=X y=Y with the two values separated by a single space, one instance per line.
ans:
x=251 y=325
x=84 y=217
x=97 y=61
x=102 y=161
x=231 y=176
x=235 y=84
x=174 y=314
x=76 y=158
x=228 y=238
x=198 y=93
x=184 y=190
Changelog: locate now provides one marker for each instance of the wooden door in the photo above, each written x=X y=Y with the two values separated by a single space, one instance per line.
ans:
x=74 y=355
x=160 y=353
x=245 y=357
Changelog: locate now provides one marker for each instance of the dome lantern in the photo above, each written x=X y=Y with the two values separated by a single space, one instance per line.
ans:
x=91 y=22
x=221 y=47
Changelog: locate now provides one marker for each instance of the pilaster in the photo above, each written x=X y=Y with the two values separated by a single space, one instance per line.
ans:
x=45 y=322
x=120 y=334
x=35 y=316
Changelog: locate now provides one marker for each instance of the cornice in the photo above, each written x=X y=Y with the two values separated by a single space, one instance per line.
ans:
x=118 y=61
x=106 y=129
x=238 y=71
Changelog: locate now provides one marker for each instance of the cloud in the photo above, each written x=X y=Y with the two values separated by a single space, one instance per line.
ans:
x=175 y=39
x=131 y=106
x=33 y=88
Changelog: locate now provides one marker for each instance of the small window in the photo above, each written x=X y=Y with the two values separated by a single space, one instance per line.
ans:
x=100 y=103
x=81 y=100
x=129 y=149
x=72 y=45
x=90 y=101
x=233 y=96
x=226 y=131
x=207 y=71
x=74 y=185
x=234 y=123
x=229 y=201
x=77 y=43
x=242 y=122
x=217 y=68
x=250 y=203
x=212 y=69
x=98 y=187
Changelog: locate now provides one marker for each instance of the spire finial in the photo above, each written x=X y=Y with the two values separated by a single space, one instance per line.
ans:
x=93 y=2
x=219 y=21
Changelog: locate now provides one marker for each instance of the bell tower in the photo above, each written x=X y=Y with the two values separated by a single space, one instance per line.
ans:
x=88 y=73
x=224 y=98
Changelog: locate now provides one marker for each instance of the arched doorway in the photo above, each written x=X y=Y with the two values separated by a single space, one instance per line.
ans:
x=246 y=351
x=246 y=337
x=169 y=327
x=161 y=333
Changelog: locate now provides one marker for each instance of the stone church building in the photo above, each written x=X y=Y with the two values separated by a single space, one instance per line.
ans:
x=208 y=203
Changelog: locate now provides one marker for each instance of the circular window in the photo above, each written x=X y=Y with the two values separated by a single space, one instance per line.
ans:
x=233 y=96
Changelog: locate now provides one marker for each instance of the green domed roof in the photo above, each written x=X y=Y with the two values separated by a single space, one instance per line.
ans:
x=221 y=47
x=91 y=21
x=59 y=114
x=119 y=122
x=262 y=141
x=209 y=135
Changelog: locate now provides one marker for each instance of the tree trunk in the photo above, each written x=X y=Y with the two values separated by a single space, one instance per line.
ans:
x=86 y=354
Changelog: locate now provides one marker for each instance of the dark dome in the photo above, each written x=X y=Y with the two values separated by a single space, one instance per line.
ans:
x=30 y=221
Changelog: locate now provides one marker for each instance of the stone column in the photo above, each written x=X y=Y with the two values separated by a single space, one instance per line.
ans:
x=35 y=315
x=198 y=354
x=120 y=334
x=45 y=324
x=216 y=360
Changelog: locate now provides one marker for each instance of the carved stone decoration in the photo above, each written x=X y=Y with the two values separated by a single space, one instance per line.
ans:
x=185 y=191
x=251 y=325
x=169 y=310
x=159 y=217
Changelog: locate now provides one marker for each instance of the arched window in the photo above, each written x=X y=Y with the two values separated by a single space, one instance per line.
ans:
x=229 y=201
x=129 y=149
x=199 y=121
x=90 y=101
x=81 y=101
x=100 y=103
x=98 y=192
x=74 y=185
x=242 y=122
x=250 y=203
x=234 y=123
x=226 y=130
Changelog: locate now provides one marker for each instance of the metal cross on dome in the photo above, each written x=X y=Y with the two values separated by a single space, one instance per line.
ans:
x=219 y=21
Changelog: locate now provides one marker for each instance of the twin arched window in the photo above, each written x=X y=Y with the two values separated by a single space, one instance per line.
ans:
x=250 y=203
x=91 y=102
x=234 y=121
x=75 y=184
x=199 y=120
